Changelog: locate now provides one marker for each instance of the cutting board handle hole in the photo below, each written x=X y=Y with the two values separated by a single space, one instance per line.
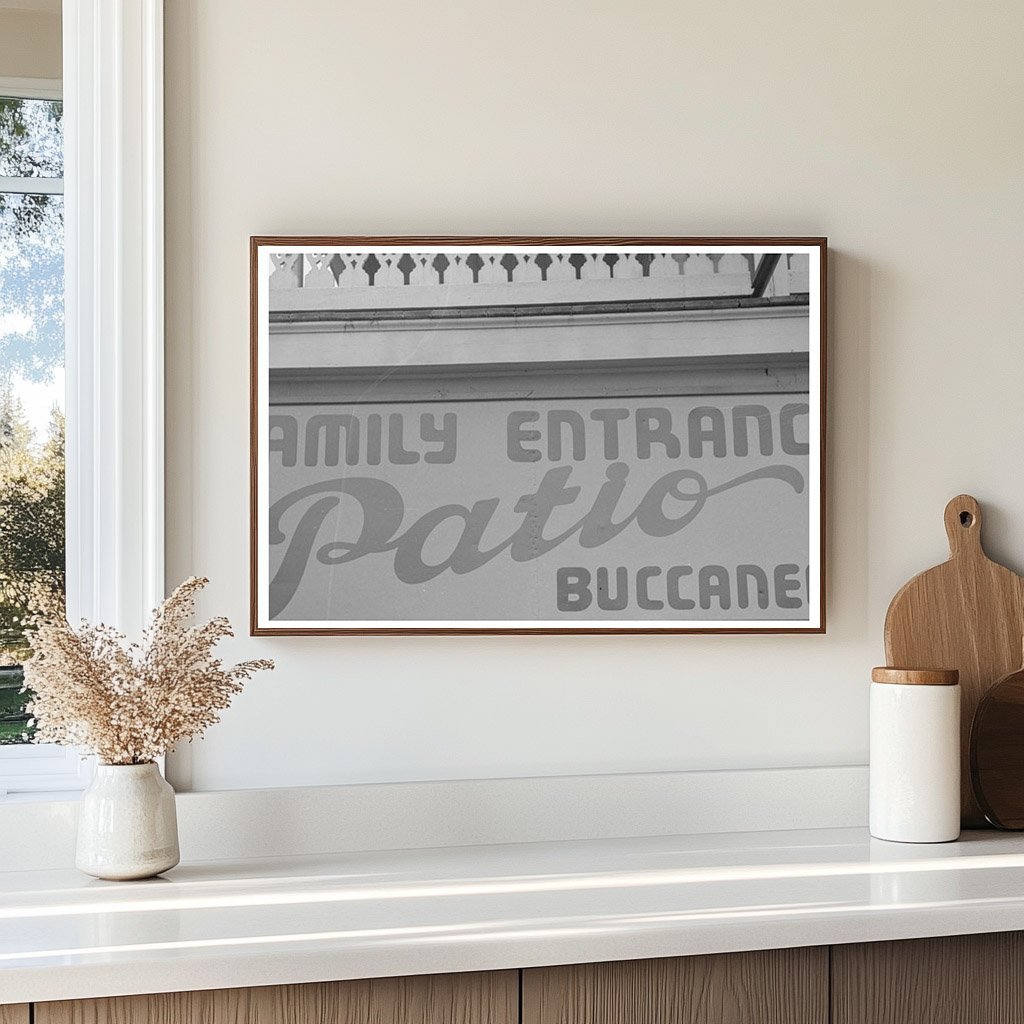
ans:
x=962 y=518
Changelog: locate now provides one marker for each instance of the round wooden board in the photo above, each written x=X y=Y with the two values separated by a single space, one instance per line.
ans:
x=997 y=752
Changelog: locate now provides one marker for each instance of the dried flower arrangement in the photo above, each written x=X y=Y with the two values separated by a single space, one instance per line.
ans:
x=128 y=704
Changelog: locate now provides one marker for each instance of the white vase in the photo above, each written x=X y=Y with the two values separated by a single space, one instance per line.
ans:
x=127 y=825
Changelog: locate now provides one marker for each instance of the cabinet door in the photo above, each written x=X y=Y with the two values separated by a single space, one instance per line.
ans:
x=779 y=986
x=491 y=998
x=14 y=1014
x=963 y=979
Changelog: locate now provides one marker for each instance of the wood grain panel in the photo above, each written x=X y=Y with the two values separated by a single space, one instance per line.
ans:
x=963 y=979
x=14 y=1014
x=483 y=998
x=967 y=614
x=781 y=986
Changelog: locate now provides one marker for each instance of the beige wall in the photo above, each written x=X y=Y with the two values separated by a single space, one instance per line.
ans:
x=894 y=129
x=29 y=44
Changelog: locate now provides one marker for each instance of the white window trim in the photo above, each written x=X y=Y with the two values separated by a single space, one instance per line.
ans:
x=114 y=322
x=31 y=88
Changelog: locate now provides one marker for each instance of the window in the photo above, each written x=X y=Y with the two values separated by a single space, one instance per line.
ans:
x=111 y=218
x=32 y=533
x=31 y=384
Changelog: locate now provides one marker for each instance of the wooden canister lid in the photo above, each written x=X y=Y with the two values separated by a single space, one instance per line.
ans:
x=916 y=676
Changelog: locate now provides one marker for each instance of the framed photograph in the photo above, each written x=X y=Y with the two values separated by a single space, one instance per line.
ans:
x=537 y=435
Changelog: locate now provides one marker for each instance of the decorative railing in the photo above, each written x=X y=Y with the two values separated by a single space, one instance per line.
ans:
x=700 y=274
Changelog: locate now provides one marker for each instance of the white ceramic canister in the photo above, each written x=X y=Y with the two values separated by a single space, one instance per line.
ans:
x=915 y=755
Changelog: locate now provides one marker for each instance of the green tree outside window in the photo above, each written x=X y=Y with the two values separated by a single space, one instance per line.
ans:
x=31 y=358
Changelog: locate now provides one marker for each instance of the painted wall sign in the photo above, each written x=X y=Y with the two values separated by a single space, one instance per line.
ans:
x=410 y=474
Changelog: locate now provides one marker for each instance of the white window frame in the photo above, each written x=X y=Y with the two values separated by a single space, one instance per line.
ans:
x=31 y=88
x=114 y=323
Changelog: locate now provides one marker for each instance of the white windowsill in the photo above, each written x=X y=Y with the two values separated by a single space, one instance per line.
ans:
x=39 y=797
x=42 y=771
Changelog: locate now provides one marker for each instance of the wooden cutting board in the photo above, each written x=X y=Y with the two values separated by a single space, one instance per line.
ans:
x=967 y=614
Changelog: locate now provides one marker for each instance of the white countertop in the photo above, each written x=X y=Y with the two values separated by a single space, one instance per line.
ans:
x=226 y=924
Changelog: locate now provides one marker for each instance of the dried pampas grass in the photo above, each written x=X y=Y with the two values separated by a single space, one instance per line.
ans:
x=130 y=703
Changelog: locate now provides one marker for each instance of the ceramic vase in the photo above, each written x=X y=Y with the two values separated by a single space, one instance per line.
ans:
x=127 y=825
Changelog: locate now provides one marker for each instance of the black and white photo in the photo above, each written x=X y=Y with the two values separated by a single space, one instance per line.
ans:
x=550 y=435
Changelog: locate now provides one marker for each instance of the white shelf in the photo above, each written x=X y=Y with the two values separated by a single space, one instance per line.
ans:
x=350 y=915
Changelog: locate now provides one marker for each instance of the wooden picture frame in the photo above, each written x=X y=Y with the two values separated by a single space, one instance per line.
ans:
x=520 y=435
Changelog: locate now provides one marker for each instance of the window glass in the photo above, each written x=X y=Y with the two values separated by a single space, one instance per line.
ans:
x=31 y=387
x=31 y=138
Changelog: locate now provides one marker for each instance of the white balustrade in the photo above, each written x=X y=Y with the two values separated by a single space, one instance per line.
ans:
x=528 y=271
x=593 y=267
x=492 y=272
x=733 y=263
x=287 y=270
x=387 y=275
x=349 y=273
x=663 y=265
x=318 y=272
x=627 y=267
x=696 y=274
x=732 y=276
x=421 y=272
x=459 y=271
x=697 y=265
x=560 y=269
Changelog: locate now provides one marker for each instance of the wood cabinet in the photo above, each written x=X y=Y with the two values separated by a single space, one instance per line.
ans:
x=777 y=986
x=491 y=998
x=973 y=979
x=963 y=979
